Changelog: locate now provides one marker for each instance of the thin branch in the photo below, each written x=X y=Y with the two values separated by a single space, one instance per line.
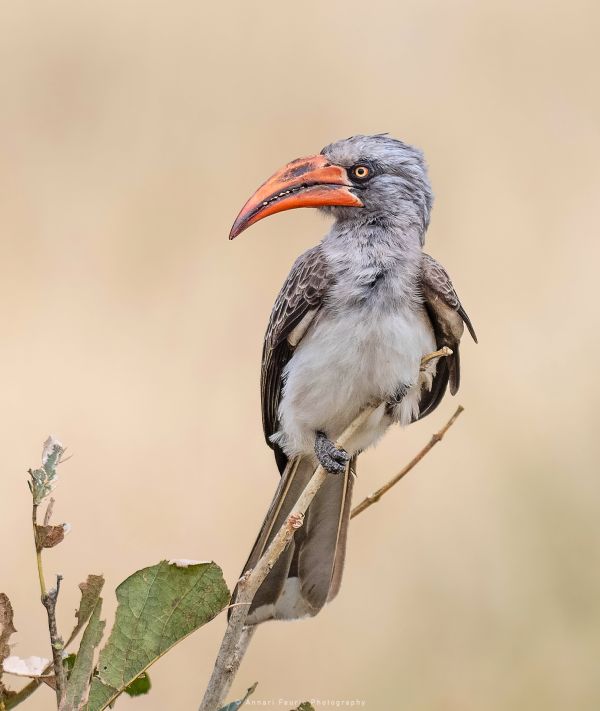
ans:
x=23 y=694
x=38 y=552
x=443 y=351
x=239 y=651
x=437 y=437
x=48 y=597
x=56 y=642
x=236 y=640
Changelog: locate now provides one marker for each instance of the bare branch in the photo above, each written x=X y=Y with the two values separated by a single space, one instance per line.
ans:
x=437 y=437
x=444 y=351
x=56 y=642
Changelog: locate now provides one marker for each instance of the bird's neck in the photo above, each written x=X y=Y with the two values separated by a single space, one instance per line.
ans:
x=368 y=254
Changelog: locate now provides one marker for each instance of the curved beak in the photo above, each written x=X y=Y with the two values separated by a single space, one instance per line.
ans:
x=305 y=182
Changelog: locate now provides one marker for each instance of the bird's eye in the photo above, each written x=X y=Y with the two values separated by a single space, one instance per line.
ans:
x=361 y=172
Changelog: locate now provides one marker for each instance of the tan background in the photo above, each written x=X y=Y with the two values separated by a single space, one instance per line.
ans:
x=130 y=135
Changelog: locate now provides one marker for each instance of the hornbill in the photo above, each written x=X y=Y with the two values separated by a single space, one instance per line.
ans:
x=348 y=329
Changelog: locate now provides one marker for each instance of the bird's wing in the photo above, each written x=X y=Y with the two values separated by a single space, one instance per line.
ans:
x=438 y=288
x=448 y=319
x=295 y=308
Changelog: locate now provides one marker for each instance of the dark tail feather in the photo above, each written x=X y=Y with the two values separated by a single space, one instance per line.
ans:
x=340 y=555
x=309 y=572
x=323 y=550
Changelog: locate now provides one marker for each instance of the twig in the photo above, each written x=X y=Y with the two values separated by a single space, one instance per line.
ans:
x=443 y=351
x=49 y=598
x=38 y=552
x=56 y=642
x=437 y=437
x=239 y=651
x=23 y=694
x=236 y=639
x=42 y=482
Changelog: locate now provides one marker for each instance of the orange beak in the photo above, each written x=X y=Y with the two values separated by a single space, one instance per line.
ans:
x=305 y=182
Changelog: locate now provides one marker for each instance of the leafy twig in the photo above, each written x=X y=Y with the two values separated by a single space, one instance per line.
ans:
x=42 y=482
x=90 y=592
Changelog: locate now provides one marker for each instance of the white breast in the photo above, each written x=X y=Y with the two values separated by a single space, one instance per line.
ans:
x=352 y=357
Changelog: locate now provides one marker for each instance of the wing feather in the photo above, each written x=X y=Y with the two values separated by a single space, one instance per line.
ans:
x=301 y=295
x=448 y=318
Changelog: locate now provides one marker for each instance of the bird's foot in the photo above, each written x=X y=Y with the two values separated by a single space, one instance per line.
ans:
x=400 y=394
x=333 y=459
x=396 y=398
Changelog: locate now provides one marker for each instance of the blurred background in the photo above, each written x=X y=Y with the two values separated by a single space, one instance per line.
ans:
x=130 y=136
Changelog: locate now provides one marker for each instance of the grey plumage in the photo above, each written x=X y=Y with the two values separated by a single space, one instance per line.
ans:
x=349 y=327
x=399 y=195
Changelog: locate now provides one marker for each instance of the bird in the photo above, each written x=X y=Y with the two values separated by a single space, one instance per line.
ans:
x=349 y=328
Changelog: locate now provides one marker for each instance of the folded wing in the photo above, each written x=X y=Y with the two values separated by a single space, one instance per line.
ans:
x=448 y=319
x=295 y=308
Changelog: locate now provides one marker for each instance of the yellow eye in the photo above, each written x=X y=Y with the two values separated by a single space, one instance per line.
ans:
x=361 y=172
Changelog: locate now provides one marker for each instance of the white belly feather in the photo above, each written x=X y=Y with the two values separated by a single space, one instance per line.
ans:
x=348 y=359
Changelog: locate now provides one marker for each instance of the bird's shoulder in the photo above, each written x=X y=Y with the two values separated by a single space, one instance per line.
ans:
x=302 y=291
x=440 y=293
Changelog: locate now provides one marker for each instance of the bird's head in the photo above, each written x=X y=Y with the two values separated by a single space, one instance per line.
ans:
x=370 y=179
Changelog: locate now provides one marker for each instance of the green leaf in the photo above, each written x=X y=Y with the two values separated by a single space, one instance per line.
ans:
x=139 y=686
x=90 y=592
x=79 y=679
x=69 y=662
x=43 y=480
x=305 y=707
x=235 y=705
x=157 y=607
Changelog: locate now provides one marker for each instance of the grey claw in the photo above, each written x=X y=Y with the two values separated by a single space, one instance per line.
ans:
x=399 y=394
x=331 y=458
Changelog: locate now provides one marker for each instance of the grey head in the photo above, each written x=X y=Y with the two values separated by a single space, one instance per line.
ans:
x=390 y=178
